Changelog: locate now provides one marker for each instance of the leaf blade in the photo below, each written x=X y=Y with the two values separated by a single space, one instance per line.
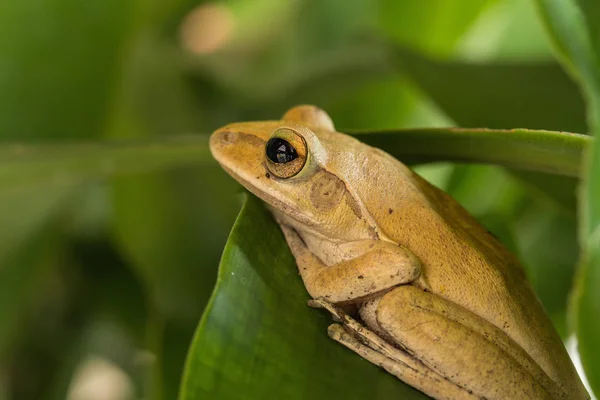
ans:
x=542 y=151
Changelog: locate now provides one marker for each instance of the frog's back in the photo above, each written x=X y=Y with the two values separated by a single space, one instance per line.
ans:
x=461 y=260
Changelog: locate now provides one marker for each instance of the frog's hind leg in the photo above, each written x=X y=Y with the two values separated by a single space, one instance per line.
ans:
x=461 y=346
x=373 y=348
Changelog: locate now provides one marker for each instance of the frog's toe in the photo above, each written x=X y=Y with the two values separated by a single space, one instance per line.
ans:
x=314 y=303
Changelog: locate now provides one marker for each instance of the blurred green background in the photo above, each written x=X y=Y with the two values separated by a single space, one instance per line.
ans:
x=108 y=278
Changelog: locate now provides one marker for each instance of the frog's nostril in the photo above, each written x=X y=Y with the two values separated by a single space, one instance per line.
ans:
x=229 y=137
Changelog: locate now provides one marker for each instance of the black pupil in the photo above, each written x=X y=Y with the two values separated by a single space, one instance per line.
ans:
x=280 y=151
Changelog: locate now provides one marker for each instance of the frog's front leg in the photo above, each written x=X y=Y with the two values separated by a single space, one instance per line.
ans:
x=377 y=267
x=461 y=346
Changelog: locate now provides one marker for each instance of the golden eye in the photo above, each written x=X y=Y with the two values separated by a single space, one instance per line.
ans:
x=286 y=153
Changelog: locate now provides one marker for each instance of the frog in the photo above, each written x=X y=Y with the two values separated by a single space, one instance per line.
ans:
x=414 y=283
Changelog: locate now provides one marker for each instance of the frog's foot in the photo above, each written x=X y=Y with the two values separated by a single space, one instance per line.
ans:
x=373 y=348
x=361 y=332
x=316 y=303
x=420 y=377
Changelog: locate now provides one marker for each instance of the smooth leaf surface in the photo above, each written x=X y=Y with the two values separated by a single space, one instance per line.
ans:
x=575 y=26
x=259 y=339
x=587 y=294
x=440 y=23
x=542 y=151
x=587 y=309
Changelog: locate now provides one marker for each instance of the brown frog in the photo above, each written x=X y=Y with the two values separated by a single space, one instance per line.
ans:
x=440 y=302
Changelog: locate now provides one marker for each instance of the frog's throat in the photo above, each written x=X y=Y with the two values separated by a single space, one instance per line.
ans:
x=272 y=201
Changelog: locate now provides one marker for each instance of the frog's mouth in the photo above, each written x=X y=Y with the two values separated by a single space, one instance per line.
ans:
x=271 y=200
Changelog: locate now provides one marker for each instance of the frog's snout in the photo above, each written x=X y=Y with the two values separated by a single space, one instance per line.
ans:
x=223 y=141
x=222 y=138
x=237 y=148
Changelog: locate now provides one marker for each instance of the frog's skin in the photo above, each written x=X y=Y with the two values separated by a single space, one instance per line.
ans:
x=441 y=303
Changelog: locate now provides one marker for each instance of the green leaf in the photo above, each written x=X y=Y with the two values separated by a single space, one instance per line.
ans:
x=259 y=339
x=24 y=167
x=439 y=23
x=385 y=103
x=543 y=151
x=470 y=186
x=534 y=96
x=575 y=27
x=587 y=309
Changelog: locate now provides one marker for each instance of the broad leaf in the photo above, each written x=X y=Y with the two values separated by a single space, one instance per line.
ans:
x=534 y=96
x=440 y=23
x=542 y=151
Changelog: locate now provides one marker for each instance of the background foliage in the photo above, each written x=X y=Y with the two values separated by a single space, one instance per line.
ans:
x=109 y=249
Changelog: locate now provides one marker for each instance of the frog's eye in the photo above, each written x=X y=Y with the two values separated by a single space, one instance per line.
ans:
x=281 y=151
x=286 y=153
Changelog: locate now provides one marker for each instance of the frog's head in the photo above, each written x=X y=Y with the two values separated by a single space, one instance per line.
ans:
x=301 y=168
